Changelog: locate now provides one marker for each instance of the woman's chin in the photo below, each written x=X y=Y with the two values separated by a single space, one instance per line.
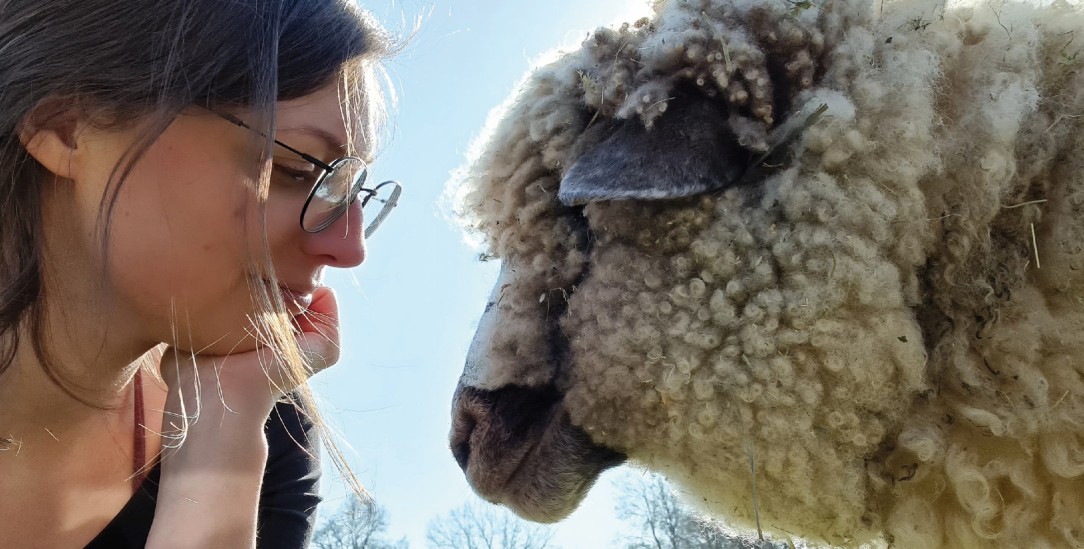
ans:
x=231 y=343
x=227 y=332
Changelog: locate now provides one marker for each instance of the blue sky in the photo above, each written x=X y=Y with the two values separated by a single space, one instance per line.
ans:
x=410 y=311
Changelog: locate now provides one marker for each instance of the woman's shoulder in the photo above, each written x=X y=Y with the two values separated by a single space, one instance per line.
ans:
x=291 y=421
x=293 y=442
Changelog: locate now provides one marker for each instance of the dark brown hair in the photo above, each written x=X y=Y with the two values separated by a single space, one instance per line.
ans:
x=128 y=59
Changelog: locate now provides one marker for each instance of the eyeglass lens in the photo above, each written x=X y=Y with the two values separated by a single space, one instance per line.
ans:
x=383 y=199
x=331 y=196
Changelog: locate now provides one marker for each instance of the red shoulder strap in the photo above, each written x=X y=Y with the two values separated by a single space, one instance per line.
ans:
x=139 y=443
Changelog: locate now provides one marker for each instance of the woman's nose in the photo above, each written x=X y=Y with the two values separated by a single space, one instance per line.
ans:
x=343 y=243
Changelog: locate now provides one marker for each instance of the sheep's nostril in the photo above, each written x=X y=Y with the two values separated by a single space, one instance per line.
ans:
x=461 y=451
x=460 y=444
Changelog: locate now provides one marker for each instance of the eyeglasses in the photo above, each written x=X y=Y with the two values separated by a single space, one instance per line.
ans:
x=336 y=188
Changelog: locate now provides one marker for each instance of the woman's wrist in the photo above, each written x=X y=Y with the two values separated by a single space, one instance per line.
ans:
x=219 y=433
x=212 y=478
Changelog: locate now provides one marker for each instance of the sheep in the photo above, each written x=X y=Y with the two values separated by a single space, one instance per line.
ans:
x=821 y=263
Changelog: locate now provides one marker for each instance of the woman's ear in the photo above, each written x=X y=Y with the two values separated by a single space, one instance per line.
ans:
x=49 y=133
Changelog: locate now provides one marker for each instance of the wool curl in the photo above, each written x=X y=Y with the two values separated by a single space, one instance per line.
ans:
x=889 y=325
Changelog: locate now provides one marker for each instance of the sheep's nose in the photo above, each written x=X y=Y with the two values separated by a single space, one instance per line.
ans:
x=485 y=423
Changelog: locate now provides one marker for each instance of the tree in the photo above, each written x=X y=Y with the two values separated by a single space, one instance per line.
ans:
x=357 y=525
x=481 y=526
x=663 y=522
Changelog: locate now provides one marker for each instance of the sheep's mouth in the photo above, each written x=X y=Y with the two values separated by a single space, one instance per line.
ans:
x=519 y=448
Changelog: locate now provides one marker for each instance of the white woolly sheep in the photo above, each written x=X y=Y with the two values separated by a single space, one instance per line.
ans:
x=841 y=241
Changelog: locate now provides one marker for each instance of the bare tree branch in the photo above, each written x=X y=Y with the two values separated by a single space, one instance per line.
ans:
x=483 y=526
x=357 y=525
x=663 y=522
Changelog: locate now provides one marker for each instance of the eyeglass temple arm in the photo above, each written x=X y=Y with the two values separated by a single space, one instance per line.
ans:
x=307 y=157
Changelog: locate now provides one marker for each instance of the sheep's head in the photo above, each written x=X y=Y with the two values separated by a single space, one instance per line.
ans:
x=718 y=230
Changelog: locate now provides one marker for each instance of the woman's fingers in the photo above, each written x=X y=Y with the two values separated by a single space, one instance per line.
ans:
x=318 y=329
x=322 y=314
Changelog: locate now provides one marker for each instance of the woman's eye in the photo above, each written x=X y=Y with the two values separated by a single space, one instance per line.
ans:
x=296 y=175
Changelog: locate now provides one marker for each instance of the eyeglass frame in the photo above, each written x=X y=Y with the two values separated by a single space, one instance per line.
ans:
x=328 y=169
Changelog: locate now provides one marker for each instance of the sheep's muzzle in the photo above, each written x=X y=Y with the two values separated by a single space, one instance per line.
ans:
x=519 y=448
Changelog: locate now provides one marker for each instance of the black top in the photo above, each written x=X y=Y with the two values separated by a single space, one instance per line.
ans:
x=288 y=496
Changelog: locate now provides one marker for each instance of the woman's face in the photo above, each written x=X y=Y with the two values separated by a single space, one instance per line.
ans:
x=185 y=232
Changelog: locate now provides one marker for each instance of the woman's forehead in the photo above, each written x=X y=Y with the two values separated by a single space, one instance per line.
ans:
x=319 y=115
x=324 y=119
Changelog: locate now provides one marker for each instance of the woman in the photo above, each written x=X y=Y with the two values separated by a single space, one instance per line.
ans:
x=158 y=294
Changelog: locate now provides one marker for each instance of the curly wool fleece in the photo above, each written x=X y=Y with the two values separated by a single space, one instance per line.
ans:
x=890 y=324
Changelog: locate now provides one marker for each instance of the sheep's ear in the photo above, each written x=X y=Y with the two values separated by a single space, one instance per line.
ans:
x=689 y=150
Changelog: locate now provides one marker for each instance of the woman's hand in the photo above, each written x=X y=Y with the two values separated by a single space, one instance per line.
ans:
x=210 y=485
x=249 y=383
